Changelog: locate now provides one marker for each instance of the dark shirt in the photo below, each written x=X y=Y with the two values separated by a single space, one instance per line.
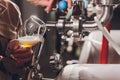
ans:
x=3 y=46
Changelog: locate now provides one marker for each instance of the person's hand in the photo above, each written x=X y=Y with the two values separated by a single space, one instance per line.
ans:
x=49 y=4
x=17 y=58
x=18 y=54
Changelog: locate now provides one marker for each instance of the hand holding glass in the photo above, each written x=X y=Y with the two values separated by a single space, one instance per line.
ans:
x=31 y=34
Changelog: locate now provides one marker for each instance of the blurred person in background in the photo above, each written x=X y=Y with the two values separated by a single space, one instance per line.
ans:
x=13 y=58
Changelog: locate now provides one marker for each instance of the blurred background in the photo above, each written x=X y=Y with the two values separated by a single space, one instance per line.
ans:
x=28 y=9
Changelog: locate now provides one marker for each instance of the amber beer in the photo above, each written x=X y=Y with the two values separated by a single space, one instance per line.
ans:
x=29 y=41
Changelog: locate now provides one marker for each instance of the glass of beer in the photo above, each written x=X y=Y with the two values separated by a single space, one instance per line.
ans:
x=32 y=32
x=28 y=36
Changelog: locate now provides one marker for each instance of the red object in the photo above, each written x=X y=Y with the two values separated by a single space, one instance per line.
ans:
x=105 y=47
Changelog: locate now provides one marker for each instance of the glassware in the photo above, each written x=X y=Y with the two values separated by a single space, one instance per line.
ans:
x=29 y=35
x=32 y=32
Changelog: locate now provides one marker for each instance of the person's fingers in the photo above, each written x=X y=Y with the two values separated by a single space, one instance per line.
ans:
x=42 y=3
x=47 y=3
x=69 y=3
x=39 y=2
x=21 y=62
x=13 y=44
x=23 y=55
x=49 y=6
x=33 y=1
x=20 y=51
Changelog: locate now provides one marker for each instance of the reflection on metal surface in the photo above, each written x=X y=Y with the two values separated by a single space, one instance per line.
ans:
x=99 y=8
